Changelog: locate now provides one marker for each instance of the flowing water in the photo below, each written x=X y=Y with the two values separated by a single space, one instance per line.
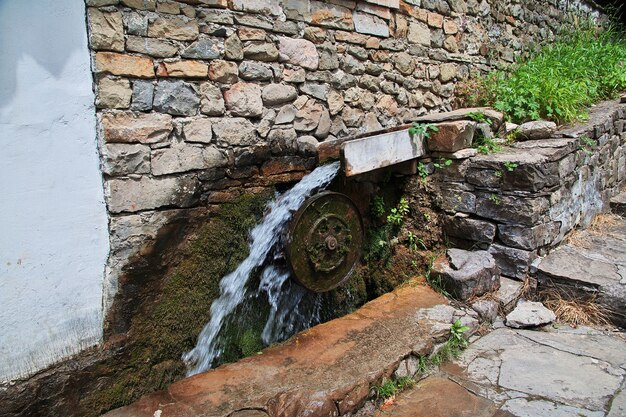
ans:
x=291 y=307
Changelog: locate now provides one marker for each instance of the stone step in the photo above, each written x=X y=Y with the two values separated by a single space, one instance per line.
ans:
x=594 y=268
x=329 y=369
x=618 y=204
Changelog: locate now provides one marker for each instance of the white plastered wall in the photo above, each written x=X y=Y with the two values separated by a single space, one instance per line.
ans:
x=53 y=221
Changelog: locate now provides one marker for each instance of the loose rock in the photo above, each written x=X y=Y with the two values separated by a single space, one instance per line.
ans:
x=529 y=314
x=539 y=129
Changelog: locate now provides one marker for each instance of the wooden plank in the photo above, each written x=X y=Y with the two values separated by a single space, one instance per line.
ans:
x=380 y=151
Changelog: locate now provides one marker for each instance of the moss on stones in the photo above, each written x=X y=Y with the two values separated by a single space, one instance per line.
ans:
x=168 y=326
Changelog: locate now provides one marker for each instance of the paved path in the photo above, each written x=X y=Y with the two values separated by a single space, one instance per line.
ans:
x=556 y=372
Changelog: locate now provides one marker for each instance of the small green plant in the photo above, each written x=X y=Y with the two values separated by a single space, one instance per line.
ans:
x=422 y=129
x=377 y=206
x=386 y=389
x=397 y=214
x=390 y=387
x=480 y=117
x=405 y=382
x=486 y=145
x=422 y=171
x=414 y=240
x=510 y=166
x=452 y=349
x=442 y=163
x=426 y=217
x=586 y=145
x=457 y=334
x=498 y=174
x=494 y=198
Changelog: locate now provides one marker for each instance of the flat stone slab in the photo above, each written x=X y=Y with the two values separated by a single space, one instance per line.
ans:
x=594 y=266
x=539 y=408
x=334 y=363
x=380 y=151
x=545 y=373
x=461 y=114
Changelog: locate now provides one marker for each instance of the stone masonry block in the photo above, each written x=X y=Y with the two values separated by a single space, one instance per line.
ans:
x=145 y=193
x=469 y=229
x=129 y=127
x=451 y=136
x=124 y=65
x=106 y=30
x=512 y=262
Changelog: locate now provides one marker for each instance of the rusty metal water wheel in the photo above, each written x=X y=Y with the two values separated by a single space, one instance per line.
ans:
x=324 y=241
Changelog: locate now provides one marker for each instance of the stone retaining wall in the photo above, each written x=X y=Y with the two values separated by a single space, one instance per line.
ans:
x=550 y=187
x=200 y=101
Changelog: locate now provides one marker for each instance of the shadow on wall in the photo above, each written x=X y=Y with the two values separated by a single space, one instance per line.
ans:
x=51 y=52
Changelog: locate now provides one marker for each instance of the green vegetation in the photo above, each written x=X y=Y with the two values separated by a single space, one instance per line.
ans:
x=510 y=166
x=583 y=66
x=452 y=349
x=397 y=214
x=414 y=240
x=377 y=243
x=377 y=206
x=486 y=145
x=422 y=129
x=480 y=117
x=586 y=145
x=390 y=387
x=495 y=199
x=442 y=163
x=170 y=324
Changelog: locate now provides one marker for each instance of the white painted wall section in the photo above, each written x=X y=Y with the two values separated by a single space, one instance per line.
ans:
x=53 y=222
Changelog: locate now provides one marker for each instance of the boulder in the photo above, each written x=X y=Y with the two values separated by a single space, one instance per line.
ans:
x=466 y=274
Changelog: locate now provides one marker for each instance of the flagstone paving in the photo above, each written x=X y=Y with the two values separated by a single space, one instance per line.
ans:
x=551 y=372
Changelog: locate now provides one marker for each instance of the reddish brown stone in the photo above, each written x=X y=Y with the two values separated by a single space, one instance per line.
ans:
x=439 y=397
x=282 y=165
x=310 y=371
x=435 y=20
x=124 y=65
x=183 y=69
x=129 y=127
x=451 y=136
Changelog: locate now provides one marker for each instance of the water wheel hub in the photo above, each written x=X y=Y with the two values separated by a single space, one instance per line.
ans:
x=324 y=242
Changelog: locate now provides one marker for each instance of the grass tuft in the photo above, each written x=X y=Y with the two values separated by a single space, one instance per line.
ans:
x=575 y=312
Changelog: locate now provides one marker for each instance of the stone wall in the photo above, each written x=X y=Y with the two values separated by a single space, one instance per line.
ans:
x=202 y=100
x=523 y=200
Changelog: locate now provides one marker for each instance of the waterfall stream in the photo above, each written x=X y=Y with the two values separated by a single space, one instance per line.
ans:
x=287 y=313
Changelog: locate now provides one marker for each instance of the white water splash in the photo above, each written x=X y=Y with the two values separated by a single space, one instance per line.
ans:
x=264 y=237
